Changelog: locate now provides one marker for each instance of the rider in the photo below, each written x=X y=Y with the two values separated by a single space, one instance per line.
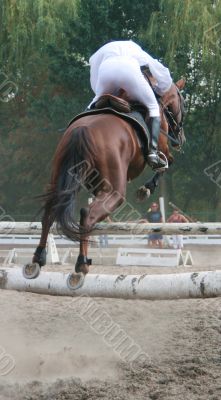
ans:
x=117 y=65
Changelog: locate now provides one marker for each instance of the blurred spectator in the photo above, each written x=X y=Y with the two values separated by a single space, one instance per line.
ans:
x=178 y=218
x=153 y=216
x=103 y=239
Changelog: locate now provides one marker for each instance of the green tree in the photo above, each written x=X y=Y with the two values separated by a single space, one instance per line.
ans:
x=45 y=47
x=186 y=35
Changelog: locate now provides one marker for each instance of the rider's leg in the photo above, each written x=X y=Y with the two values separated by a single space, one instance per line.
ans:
x=153 y=158
x=146 y=96
x=125 y=73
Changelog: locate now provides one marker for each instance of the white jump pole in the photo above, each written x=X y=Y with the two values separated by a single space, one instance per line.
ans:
x=121 y=228
x=147 y=287
x=162 y=208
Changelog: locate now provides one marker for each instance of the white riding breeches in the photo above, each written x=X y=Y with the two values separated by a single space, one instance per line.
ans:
x=123 y=72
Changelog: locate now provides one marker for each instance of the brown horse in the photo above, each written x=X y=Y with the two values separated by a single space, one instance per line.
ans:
x=101 y=152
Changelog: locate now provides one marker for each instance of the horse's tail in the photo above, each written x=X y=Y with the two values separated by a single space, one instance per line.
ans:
x=71 y=163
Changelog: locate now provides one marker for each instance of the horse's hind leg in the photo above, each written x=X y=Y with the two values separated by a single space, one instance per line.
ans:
x=40 y=252
x=32 y=270
x=99 y=209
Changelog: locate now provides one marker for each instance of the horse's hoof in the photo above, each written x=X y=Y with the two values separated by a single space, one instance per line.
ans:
x=143 y=193
x=83 y=268
x=82 y=264
x=75 y=281
x=31 y=271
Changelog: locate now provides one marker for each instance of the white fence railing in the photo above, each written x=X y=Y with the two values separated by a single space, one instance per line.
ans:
x=113 y=240
x=123 y=228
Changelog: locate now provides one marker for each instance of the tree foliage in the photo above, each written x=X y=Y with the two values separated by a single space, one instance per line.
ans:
x=45 y=47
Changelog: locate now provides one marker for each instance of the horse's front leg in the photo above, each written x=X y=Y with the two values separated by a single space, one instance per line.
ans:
x=149 y=187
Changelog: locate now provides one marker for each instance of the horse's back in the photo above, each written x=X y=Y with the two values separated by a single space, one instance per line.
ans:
x=106 y=130
x=113 y=142
x=103 y=124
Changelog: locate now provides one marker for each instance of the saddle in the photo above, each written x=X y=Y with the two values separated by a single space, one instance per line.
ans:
x=134 y=113
x=117 y=103
x=121 y=105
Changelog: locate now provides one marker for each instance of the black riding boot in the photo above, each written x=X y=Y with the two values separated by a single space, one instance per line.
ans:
x=153 y=157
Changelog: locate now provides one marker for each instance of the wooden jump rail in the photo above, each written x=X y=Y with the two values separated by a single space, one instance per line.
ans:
x=147 y=287
x=121 y=228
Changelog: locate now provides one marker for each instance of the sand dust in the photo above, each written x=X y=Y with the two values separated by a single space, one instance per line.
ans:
x=59 y=355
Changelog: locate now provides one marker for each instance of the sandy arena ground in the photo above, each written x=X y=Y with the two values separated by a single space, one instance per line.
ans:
x=58 y=354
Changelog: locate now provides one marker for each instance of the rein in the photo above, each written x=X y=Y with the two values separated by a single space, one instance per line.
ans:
x=168 y=136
